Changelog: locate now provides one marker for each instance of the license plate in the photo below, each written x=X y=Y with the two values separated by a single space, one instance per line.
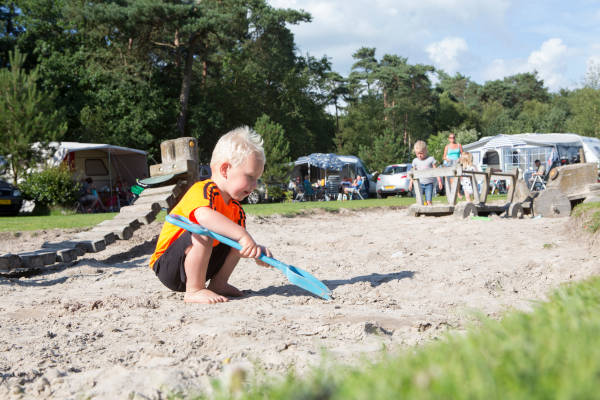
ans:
x=388 y=187
x=5 y=201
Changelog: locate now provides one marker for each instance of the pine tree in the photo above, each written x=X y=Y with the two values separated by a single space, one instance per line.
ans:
x=24 y=117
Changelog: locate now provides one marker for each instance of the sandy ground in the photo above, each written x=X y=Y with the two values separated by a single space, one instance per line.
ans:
x=107 y=328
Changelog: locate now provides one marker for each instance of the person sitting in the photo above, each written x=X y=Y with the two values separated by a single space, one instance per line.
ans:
x=89 y=198
x=538 y=173
x=308 y=189
x=354 y=187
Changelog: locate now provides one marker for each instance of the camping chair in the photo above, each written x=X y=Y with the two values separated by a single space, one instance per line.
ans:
x=308 y=190
x=351 y=191
x=538 y=183
x=332 y=187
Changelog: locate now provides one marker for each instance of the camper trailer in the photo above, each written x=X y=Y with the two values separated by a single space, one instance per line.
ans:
x=104 y=163
x=507 y=152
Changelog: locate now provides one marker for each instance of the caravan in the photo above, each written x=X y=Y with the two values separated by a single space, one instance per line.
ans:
x=507 y=152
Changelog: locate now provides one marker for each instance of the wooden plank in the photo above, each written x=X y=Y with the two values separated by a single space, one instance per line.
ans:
x=38 y=258
x=67 y=244
x=128 y=210
x=9 y=261
x=416 y=209
x=158 y=190
x=108 y=237
x=165 y=200
x=435 y=172
x=122 y=233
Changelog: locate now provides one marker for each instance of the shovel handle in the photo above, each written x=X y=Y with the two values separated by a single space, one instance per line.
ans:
x=185 y=223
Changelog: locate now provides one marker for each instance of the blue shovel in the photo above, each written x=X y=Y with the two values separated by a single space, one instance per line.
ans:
x=295 y=275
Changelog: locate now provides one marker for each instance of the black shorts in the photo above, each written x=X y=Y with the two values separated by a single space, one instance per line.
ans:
x=170 y=267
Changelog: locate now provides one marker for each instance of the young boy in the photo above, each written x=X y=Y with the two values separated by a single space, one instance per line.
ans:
x=184 y=261
x=420 y=163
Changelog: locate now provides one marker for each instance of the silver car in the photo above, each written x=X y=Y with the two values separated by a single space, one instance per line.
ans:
x=393 y=181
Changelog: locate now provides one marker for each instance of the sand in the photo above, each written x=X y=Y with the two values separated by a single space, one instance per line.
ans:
x=106 y=327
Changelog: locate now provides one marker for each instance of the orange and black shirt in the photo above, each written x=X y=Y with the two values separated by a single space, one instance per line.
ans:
x=201 y=194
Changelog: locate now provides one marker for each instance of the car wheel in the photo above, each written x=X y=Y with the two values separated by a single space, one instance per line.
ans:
x=254 y=198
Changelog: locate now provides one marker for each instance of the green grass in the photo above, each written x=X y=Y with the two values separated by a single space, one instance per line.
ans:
x=33 y=223
x=60 y=221
x=291 y=209
x=550 y=353
x=589 y=213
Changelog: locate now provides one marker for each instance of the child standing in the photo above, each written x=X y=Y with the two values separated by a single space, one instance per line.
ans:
x=466 y=161
x=422 y=162
x=185 y=261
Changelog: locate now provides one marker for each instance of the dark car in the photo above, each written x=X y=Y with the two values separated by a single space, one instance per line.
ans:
x=10 y=199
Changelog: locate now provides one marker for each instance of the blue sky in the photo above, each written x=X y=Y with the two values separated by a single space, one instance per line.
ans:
x=484 y=40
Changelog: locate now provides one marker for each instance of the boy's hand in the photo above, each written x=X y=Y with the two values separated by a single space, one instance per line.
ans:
x=249 y=247
x=266 y=252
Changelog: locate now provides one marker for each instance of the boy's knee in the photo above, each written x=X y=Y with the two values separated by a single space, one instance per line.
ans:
x=200 y=243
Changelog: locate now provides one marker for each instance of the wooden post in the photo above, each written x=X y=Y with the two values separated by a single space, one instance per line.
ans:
x=417 y=190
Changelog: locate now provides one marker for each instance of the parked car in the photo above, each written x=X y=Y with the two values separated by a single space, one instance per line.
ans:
x=394 y=180
x=259 y=194
x=10 y=199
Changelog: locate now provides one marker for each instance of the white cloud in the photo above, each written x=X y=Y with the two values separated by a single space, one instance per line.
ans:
x=445 y=53
x=391 y=26
x=550 y=61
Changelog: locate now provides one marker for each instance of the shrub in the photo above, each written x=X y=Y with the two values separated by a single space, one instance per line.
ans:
x=276 y=193
x=51 y=187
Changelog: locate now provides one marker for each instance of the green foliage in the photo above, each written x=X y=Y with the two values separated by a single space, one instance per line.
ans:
x=585 y=106
x=435 y=146
x=466 y=136
x=385 y=149
x=551 y=352
x=276 y=193
x=25 y=117
x=51 y=187
x=277 y=150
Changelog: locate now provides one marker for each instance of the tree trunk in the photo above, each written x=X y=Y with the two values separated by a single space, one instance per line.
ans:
x=186 y=84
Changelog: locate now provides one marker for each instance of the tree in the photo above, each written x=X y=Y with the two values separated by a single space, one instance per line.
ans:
x=585 y=108
x=9 y=31
x=385 y=149
x=25 y=117
x=277 y=150
x=363 y=71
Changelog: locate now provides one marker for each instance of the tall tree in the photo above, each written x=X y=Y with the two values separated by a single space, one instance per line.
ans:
x=277 y=150
x=363 y=69
x=25 y=117
x=9 y=31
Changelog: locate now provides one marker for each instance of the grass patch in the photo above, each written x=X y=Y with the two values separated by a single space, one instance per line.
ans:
x=60 y=221
x=291 y=209
x=589 y=214
x=32 y=223
x=552 y=352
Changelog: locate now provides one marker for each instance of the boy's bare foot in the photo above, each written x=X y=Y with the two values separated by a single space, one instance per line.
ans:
x=225 y=289
x=204 y=296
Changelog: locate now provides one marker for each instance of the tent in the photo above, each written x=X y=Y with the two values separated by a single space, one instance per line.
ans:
x=104 y=163
x=507 y=152
x=319 y=165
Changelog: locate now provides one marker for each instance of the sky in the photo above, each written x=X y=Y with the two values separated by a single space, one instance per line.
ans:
x=481 y=39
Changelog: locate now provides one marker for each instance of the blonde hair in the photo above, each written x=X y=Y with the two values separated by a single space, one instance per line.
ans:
x=236 y=146
x=466 y=159
x=420 y=146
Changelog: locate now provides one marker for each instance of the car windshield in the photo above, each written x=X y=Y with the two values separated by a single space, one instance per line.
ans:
x=395 y=169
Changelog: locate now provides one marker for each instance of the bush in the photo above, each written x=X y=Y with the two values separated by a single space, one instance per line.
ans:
x=276 y=193
x=51 y=187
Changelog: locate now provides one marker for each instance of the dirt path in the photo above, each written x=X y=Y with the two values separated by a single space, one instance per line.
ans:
x=106 y=327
